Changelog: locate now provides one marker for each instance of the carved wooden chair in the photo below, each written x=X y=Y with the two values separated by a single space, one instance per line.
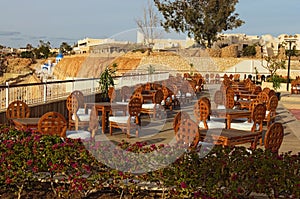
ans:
x=188 y=133
x=263 y=97
x=129 y=121
x=17 y=109
x=202 y=112
x=271 y=93
x=219 y=99
x=125 y=93
x=178 y=117
x=92 y=129
x=257 y=116
x=271 y=110
x=53 y=123
x=112 y=94
x=155 y=108
x=76 y=118
x=274 y=137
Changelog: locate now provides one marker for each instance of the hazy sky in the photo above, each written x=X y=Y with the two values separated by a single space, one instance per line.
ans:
x=57 y=21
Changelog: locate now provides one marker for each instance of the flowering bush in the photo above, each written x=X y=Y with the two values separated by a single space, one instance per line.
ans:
x=73 y=168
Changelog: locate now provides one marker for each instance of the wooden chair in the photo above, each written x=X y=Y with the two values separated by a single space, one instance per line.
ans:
x=80 y=97
x=53 y=123
x=274 y=137
x=258 y=115
x=129 y=121
x=112 y=94
x=125 y=93
x=202 y=112
x=263 y=97
x=155 y=107
x=86 y=134
x=17 y=109
x=188 y=133
x=76 y=117
x=266 y=90
x=219 y=99
x=271 y=93
x=271 y=110
x=178 y=117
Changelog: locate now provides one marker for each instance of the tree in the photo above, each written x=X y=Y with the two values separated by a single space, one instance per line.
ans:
x=65 y=48
x=43 y=50
x=202 y=20
x=273 y=64
x=148 y=24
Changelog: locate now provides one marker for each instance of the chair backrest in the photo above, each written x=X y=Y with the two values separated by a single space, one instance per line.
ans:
x=257 y=90
x=271 y=93
x=188 y=133
x=178 y=117
x=266 y=90
x=219 y=98
x=258 y=115
x=94 y=121
x=53 y=123
x=263 y=97
x=111 y=94
x=80 y=97
x=17 y=109
x=158 y=97
x=134 y=106
x=72 y=104
x=229 y=101
x=272 y=103
x=202 y=111
x=274 y=137
x=125 y=93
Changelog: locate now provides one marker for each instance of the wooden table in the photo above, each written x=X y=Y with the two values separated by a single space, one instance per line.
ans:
x=105 y=108
x=26 y=123
x=244 y=104
x=247 y=96
x=230 y=137
x=230 y=114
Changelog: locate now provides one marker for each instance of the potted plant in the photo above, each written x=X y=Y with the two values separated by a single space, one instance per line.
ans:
x=276 y=80
x=106 y=80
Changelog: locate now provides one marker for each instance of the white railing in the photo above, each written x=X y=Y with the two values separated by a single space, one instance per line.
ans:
x=34 y=93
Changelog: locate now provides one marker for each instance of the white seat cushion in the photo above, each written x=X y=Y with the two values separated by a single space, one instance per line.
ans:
x=81 y=111
x=122 y=103
x=148 y=106
x=221 y=107
x=82 y=117
x=246 y=126
x=119 y=119
x=212 y=124
x=80 y=134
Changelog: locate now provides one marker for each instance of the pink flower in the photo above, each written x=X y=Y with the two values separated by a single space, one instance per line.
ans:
x=29 y=162
x=183 y=185
x=8 y=180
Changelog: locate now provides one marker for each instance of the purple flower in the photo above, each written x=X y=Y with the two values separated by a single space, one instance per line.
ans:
x=183 y=185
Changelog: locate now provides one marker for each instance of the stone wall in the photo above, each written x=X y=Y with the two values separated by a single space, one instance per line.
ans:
x=230 y=51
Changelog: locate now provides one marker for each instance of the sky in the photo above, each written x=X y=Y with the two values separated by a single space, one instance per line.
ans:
x=57 y=21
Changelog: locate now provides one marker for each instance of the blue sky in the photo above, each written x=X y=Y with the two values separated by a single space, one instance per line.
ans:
x=58 y=21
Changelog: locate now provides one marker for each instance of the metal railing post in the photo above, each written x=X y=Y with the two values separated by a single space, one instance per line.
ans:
x=45 y=91
x=7 y=95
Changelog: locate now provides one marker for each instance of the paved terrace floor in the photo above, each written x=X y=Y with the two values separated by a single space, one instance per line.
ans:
x=158 y=131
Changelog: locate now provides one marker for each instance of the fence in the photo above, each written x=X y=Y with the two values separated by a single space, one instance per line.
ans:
x=36 y=93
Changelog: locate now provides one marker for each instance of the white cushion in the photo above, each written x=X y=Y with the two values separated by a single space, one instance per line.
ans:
x=148 y=106
x=188 y=95
x=221 y=107
x=119 y=119
x=81 y=111
x=246 y=126
x=267 y=113
x=213 y=124
x=80 y=134
x=82 y=117
x=122 y=103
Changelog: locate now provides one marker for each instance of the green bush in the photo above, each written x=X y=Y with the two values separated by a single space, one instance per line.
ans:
x=249 y=51
x=77 y=168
